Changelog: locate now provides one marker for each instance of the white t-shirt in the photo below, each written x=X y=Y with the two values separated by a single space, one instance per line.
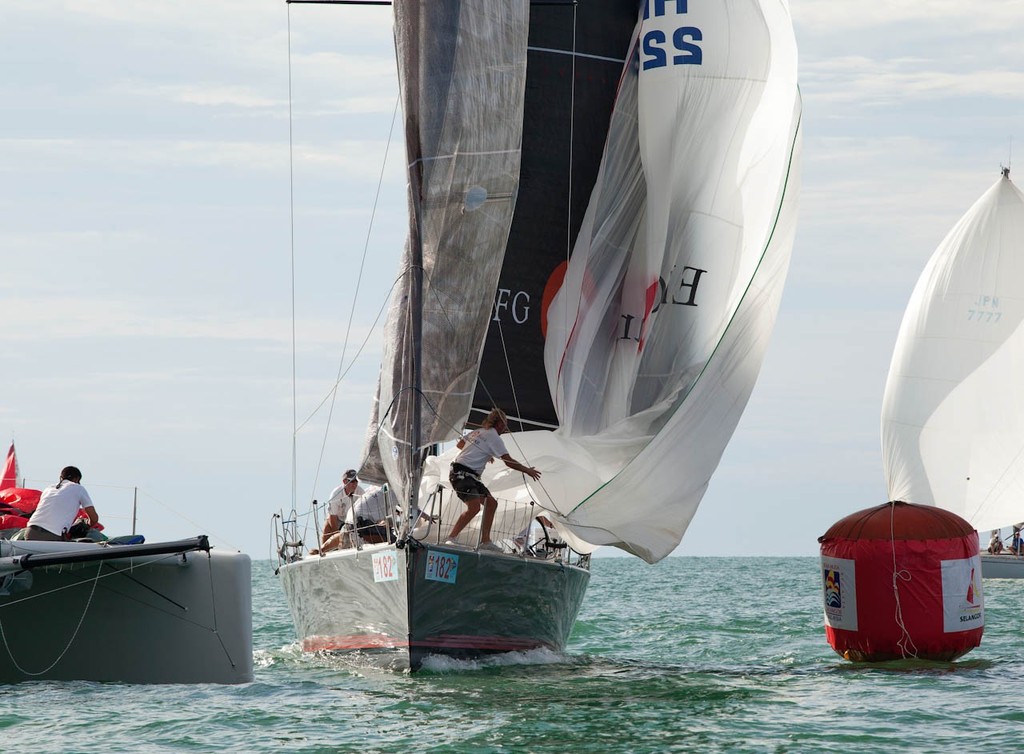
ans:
x=339 y=503
x=481 y=446
x=374 y=506
x=59 y=505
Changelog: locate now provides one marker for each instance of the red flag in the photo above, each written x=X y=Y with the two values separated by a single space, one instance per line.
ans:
x=9 y=477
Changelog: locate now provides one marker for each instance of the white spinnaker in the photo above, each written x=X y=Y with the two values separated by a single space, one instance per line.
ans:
x=953 y=411
x=700 y=174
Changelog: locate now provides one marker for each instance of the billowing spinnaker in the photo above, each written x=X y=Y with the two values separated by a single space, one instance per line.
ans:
x=953 y=411
x=658 y=333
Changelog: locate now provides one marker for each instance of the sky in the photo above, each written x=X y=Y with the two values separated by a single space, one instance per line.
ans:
x=148 y=247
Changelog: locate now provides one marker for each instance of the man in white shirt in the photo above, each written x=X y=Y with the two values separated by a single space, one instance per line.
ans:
x=371 y=512
x=58 y=508
x=343 y=497
x=478 y=448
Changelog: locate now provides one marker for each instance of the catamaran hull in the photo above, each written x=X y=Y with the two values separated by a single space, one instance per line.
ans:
x=181 y=618
x=1002 y=566
x=435 y=600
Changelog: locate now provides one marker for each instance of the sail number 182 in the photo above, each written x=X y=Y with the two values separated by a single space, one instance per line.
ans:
x=442 y=566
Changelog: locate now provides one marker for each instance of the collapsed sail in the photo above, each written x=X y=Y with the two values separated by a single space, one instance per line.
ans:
x=462 y=67
x=574 y=63
x=657 y=335
x=953 y=411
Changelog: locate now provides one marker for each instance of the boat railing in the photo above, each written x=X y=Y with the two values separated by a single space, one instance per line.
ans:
x=519 y=528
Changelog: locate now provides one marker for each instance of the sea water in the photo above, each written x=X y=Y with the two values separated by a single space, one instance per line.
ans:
x=692 y=654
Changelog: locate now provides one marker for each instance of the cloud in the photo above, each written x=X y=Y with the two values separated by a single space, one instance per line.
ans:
x=360 y=159
x=873 y=83
x=40 y=318
x=824 y=17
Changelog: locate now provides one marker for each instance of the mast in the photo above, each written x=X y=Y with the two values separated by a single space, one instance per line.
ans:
x=416 y=313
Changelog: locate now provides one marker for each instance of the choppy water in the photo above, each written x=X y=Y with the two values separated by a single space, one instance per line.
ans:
x=694 y=654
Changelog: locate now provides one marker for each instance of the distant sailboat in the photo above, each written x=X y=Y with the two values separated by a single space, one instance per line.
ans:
x=953 y=411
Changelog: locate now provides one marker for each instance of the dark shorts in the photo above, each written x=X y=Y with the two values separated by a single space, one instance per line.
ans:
x=371 y=530
x=466 y=483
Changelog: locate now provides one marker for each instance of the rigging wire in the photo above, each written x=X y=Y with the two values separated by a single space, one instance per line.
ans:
x=508 y=370
x=568 y=211
x=355 y=297
x=572 y=136
x=291 y=219
x=352 y=363
x=342 y=368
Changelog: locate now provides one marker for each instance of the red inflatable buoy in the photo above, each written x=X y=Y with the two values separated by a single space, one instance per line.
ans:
x=901 y=581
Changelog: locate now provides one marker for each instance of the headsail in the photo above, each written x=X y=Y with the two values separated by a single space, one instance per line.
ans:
x=574 y=63
x=655 y=339
x=953 y=411
x=462 y=67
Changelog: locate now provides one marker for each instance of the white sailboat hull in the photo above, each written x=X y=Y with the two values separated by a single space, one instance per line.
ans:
x=184 y=617
x=431 y=599
x=1003 y=566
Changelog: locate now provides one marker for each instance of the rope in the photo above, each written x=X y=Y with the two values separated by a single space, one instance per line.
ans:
x=905 y=643
x=199 y=527
x=71 y=641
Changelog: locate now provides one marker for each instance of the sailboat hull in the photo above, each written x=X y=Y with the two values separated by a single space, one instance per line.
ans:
x=436 y=600
x=181 y=618
x=1003 y=566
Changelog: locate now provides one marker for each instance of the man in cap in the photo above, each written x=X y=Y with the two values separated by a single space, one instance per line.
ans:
x=343 y=497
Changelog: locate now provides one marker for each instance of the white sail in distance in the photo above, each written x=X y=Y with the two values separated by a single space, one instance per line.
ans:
x=953 y=411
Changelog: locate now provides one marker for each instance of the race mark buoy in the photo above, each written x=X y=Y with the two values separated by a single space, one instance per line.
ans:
x=902 y=581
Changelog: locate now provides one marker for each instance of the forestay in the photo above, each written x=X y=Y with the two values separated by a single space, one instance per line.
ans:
x=953 y=411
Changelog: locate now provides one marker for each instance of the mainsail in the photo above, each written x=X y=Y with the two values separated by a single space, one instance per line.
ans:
x=462 y=68
x=953 y=411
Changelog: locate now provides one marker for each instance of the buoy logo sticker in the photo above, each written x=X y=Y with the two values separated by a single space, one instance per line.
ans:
x=963 y=604
x=840 y=595
x=833 y=589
